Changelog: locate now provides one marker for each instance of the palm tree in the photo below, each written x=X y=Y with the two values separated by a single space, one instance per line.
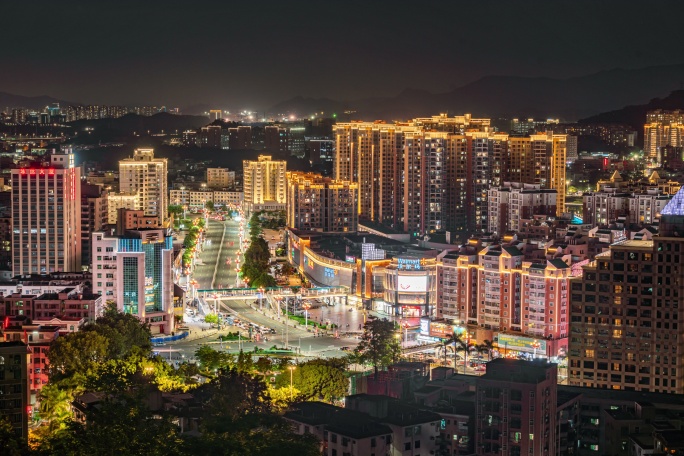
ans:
x=459 y=344
x=488 y=346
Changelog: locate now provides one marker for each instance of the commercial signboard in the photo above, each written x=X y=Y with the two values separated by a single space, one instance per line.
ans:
x=521 y=343
x=441 y=330
x=408 y=283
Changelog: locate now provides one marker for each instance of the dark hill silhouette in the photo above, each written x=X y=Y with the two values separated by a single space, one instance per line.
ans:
x=111 y=129
x=8 y=100
x=635 y=115
x=505 y=96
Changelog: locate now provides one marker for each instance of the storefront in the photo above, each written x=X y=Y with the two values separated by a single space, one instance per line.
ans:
x=410 y=286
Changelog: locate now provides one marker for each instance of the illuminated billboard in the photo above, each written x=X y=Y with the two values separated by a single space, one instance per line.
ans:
x=416 y=284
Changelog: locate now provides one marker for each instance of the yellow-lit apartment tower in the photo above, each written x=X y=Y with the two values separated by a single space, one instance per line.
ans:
x=662 y=128
x=264 y=184
x=432 y=174
x=317 y=203
x=146 y=176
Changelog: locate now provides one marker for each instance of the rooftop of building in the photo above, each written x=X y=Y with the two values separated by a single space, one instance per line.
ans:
x=658 y=399
x=399 y=412
x=11 y=344
x=518 y=371
x=633 y=244
x=378 y=227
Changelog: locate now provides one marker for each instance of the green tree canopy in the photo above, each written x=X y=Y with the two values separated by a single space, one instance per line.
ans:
x=319 y=379
x=379 y=345
x=122 y=331
x=211 y=359
x=121 y=425
x=77 y=354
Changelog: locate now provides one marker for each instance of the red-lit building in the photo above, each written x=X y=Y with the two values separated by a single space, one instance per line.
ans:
x=46 y=216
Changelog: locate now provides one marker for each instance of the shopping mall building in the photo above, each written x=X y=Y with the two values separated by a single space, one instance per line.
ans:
x=383 y=274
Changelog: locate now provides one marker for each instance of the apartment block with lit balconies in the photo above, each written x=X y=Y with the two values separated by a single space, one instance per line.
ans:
x=317 y=203
x=264 y=184
x=146 y=176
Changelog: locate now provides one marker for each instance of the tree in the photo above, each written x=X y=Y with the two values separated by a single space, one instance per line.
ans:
x=55 y=406
x=77 y=354
x=121 y=425
x=122 y=331
x=264 y=279
x=10 y=443
x=209 y=205
x=211 y=359
x=379 y=345
x=240 y=419
x=488 y=347
x=176 y=210
x=211 y=319
x=320 y=379
x=459 y=344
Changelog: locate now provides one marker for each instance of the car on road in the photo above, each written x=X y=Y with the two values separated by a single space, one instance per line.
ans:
x=345 y=348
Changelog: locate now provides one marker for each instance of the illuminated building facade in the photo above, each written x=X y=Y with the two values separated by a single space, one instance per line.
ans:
x=220 y=178
x=147 y=177
x=410 y=286
x=662 y=128
x=493 y=288
x=320 y=203
x=136 y=271
x=515 y=202
x=433 y=174
x=264 y=184
x=46 y=216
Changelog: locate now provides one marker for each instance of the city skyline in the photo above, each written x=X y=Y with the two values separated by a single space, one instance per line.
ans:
x=258 y=54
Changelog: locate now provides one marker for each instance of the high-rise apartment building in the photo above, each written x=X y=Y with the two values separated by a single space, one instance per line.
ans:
x=320 y=203
x=46 y=216
x=264 y=184
x=539 y=159
x=662 y=128
x=514 y=202
x=626 y=321
x=516 y=408
x=135 y=270
x=209 y=137
x=220 y=178
x=610 y=205
x=240 y=138
x=116 y=201
x=495 y=288
x=147 y=177
x=433 y=174
x=285 y=140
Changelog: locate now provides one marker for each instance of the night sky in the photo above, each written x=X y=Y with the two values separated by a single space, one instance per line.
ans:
x=253 y=54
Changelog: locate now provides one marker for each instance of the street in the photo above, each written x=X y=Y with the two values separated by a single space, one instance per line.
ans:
x=222 y=243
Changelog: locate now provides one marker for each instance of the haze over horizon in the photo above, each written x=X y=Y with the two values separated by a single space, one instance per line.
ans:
x=253 y=55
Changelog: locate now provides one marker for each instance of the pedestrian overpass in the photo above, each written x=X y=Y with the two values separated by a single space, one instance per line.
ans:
x=274 y=296
x=271 y=293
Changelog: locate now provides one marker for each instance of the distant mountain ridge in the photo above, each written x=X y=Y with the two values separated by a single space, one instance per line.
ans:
x=8 y=100
x=510 y=96
x=635 y=115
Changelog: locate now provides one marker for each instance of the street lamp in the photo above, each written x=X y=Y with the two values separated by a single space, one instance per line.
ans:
x=291 y=368
x=306 y=308
x=535 y=345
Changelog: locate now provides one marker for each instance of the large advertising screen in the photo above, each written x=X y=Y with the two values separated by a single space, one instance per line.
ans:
x=412 y=283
